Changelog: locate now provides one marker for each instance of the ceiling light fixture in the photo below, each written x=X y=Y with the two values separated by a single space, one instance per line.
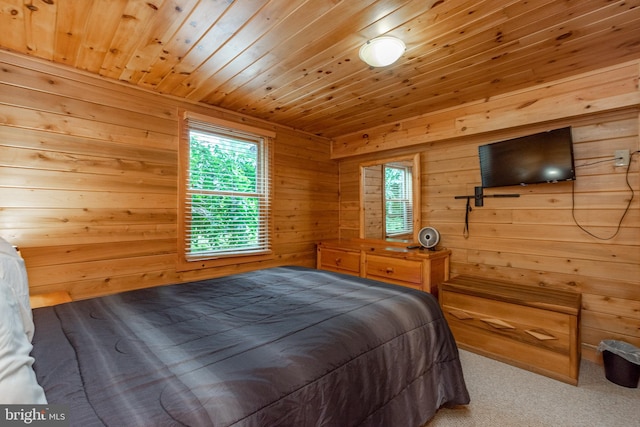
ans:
x=382 y=51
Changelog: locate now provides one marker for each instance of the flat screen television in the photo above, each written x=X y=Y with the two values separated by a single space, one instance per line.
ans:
x=533 y=159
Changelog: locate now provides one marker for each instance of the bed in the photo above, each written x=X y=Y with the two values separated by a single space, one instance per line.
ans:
x=284 y=346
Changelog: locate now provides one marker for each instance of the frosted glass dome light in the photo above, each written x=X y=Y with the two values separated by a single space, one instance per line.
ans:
x=382 y=51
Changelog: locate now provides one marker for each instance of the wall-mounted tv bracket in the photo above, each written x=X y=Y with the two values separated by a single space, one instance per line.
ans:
x=478 y=197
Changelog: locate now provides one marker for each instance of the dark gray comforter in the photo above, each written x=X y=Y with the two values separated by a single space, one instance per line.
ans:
x=285 y=346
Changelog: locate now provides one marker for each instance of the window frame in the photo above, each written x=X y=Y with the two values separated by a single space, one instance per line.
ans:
x=185 y=262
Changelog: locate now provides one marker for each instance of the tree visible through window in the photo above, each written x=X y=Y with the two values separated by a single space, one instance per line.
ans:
x=398 y=200
x=226 y=200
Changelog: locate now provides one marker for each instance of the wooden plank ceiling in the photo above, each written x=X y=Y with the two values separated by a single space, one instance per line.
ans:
x=295 y=62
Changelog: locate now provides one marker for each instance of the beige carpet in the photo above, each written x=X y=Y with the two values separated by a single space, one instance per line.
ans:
x=502 y=395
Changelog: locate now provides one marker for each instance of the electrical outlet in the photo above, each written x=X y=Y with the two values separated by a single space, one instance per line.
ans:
x=622 y=157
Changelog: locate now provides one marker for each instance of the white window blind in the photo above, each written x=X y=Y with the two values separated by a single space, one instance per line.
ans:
x=227 y=192
x=398 y=203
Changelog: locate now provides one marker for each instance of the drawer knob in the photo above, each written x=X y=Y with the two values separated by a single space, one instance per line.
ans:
x=460 y=314
x=498 y=324
x=389 y=270
x=540 y=334
x=338 y=261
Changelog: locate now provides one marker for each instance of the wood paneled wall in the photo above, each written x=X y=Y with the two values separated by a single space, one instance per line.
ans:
x=534 y=239
x=88 y=182
x=373 y=199
x=88 y=188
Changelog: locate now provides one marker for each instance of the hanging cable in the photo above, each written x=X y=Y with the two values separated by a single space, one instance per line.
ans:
x=573 y=201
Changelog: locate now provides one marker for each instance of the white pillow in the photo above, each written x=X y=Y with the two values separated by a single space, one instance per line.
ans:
x=18 y=383
x=14 y=272
x=6 y=247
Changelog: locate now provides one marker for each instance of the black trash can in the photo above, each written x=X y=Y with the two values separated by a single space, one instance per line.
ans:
x=621 y=362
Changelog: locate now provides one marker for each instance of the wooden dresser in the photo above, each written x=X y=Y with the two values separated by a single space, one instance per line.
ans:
x=388 y=262
x=527 y=326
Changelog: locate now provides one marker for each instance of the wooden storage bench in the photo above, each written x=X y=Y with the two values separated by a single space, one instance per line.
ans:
x=527 y=326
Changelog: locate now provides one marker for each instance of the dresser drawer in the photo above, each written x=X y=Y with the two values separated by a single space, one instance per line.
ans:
x=394 y=270
x=386 y=262
x=339 y=260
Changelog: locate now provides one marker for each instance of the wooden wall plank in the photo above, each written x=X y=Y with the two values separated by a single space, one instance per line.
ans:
x=89 y=175
x=19 y=71
x=535 y=239
x=42 y=140
x=87 y=128
x=606 y=90
x=25 y=218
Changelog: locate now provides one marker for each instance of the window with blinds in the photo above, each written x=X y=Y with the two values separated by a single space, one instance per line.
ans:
x=398 y=200
x=226 y=192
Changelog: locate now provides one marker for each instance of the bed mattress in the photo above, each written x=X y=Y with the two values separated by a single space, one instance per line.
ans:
x=285 y=346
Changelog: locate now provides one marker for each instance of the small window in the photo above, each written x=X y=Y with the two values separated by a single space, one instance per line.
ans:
x=226 y=193
x=398 y=200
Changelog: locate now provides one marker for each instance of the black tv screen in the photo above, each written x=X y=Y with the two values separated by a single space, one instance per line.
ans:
x=532 y=159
